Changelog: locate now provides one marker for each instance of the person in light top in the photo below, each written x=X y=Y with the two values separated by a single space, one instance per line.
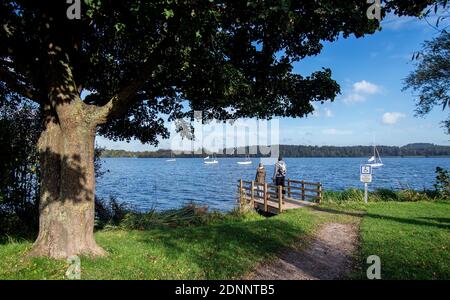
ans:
x=279 y=173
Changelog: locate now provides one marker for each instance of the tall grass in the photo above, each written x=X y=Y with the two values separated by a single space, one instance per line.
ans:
x=113 y=215
x=379 y=195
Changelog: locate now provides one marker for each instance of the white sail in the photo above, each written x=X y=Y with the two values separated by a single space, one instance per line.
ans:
x=375 y=161
x=213 y=160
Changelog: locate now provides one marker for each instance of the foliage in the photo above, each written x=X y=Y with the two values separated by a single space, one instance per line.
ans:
x=442 y=184
x=379 y=195
x=113 y=214
x=19 y=176
x=140 y=60
x=109 y=213
x=431 y=78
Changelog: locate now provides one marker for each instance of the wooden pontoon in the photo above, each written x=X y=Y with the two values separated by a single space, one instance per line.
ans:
x=276 y=199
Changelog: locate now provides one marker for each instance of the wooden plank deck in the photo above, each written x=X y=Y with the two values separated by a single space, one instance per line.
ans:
x=270 y=198
x=272 y=205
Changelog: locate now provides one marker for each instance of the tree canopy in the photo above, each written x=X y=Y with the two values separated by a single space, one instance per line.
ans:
x=141 y=59
x=431 y=78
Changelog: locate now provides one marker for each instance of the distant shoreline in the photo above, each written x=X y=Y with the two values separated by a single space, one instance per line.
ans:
x=410 y=150
x=243 y=156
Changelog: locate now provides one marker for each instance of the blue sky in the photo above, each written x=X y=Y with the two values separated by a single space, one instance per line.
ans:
x=370 y=71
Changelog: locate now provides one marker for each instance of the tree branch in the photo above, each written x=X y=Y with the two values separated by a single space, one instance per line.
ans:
x=118 y=103
x=121 y=101
x=15 y=84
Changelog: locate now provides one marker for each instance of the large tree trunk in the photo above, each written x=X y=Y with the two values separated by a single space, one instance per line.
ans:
x=66 y=223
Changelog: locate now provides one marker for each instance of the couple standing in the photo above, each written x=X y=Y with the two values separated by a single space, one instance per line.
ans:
x=279 y=173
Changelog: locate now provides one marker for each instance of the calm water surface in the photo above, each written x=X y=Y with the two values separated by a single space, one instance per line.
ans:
x=148 y=183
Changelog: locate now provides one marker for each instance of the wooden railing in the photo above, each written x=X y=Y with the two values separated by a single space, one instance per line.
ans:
x=273 y=198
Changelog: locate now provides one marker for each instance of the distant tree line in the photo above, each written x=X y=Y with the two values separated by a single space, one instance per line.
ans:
x=417 y=149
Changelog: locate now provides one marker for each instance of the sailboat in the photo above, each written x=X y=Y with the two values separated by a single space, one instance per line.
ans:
x=375 y=160
x=172 y=159
x=247 y=161
x=209 y=161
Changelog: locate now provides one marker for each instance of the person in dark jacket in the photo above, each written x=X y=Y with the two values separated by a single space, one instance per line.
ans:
x=279 y=173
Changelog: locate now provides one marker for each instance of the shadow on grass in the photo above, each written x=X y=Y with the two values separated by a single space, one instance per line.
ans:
x=412 y=221
x=228 y=250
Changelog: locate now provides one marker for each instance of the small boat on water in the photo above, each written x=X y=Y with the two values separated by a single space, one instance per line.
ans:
x=171 y=159
x=247 y=161
x=209 y=161
x=375 y=160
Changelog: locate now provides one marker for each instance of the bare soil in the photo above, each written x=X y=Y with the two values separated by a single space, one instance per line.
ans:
x=328 y=256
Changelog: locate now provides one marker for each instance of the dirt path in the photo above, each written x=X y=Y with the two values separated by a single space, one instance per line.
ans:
x=328 y=256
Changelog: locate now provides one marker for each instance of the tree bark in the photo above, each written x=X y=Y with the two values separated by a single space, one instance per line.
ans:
x=66 y=149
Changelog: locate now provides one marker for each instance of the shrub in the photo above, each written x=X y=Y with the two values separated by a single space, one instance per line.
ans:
x=383 y=194
x=110 y=213
x=442 y=184
x=349 y=195
x=188 y=215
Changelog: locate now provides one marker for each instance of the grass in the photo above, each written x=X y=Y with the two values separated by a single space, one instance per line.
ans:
x=224 y=249
x=411 y=238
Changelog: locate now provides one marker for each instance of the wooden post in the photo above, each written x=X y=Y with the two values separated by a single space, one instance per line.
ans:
x=289 y=188
x=280 y=198
x=241 y=194
x=252 y=197
x=265 y=197
x=303 y=190
x=320 y=192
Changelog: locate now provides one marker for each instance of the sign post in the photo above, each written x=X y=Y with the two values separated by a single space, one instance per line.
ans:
x=365 y=175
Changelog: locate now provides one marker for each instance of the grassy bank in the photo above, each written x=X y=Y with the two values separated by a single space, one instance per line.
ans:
x=410 y=238
x=224 y=249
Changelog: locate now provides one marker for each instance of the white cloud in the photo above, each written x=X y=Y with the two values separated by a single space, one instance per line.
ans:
x=391 y=118
x=328 y=113
x=334 y=131
x=360 y=91
x=365 y=87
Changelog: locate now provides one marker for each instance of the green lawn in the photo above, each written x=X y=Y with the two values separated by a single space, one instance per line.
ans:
x=228 y=249
x=411 y=239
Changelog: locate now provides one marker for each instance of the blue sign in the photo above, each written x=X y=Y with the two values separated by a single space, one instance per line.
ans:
x=365 y=169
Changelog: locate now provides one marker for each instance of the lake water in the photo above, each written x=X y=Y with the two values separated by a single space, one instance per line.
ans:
x=146 y=183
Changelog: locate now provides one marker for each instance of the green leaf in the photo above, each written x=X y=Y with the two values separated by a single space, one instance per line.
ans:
x=168 y=13
x=119 y=26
